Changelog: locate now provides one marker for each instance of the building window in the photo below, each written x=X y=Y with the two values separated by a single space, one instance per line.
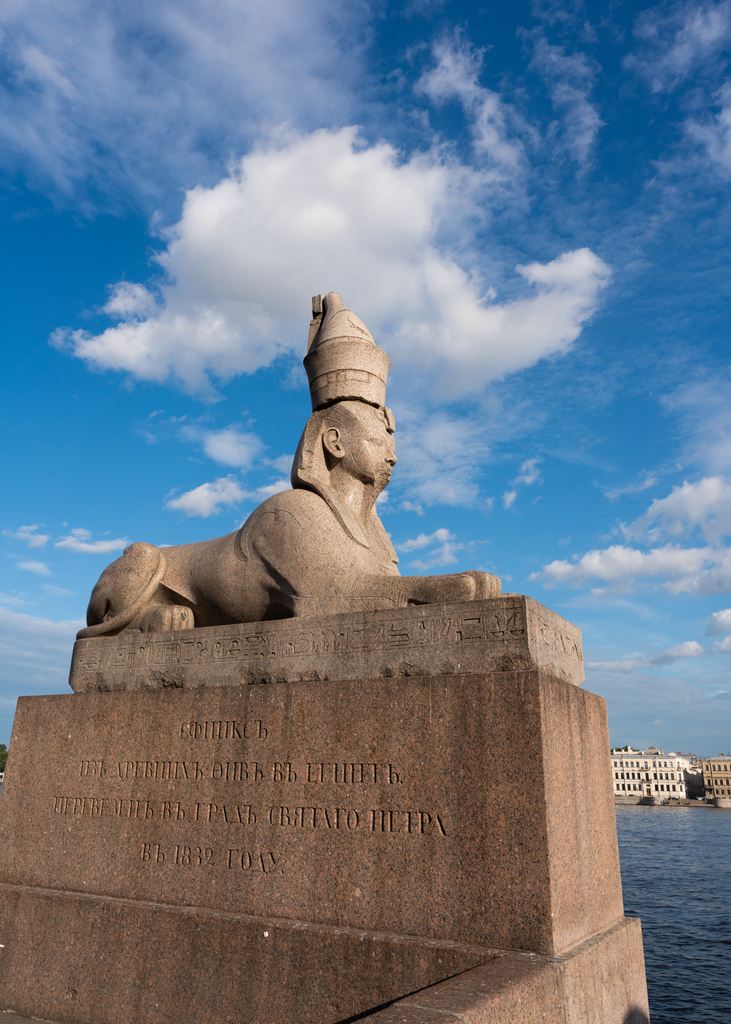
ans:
x=673 y=789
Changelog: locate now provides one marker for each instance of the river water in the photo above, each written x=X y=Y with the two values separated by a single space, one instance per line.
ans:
x=676 y=876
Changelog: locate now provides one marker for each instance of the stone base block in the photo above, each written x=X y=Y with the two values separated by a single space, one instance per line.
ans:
x=80 y=959
x=600 y=981
x=77 y=959
x=505 y=633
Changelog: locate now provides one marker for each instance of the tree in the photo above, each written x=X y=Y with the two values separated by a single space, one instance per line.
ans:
x=3 y=756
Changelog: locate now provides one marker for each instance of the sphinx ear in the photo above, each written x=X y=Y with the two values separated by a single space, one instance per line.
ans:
x=332 y=444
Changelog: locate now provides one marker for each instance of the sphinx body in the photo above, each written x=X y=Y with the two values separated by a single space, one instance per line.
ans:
x=291 y=558
x=319 y=548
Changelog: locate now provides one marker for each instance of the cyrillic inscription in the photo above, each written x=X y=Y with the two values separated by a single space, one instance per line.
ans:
x=160 y=771
x=219 y=730
x=338 y=773
x=348 y=773
x=340 y=819
x=267 y=862
x=349 y=819
x=225 y=814
x=97 y=807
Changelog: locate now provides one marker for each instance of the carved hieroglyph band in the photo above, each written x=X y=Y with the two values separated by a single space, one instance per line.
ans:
x=423 y=640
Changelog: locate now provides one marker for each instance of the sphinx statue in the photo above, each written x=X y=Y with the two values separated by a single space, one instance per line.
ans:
x=319 y=548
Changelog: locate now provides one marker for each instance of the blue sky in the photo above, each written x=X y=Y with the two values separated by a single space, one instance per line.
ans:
x=527 y=204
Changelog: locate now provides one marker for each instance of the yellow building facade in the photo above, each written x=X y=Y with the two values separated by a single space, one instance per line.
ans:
x=717 y=777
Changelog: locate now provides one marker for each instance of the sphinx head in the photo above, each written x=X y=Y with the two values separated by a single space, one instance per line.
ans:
x=351 y=438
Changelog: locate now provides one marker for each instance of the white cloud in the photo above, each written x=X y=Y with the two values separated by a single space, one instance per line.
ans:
x=676 y=41
x=79 y=540
x=528 y=474
x=455 y=76
x=719 y=622
x=646 y=481
x=38 y=567
x=138 y=100
x=685 y=570
x=35 y=653
x=569 y=79
x=12 y=600
x=282 y=463
x=724 y=646
x=410 y=506
x=130 y=301
x=43 y=70
x=439 y=456
x=275 y=487
x=58 y=591
x=440 y=536
x=713 y=133
x=700 y=507
x=209 y=498
x=704 y=409
x=444 y=547
x=309 y=213
x=230 y=446
x=688 y=649
x=30 y=535
x=704 y=505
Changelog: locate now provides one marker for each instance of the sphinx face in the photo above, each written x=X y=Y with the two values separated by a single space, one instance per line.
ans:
x=370 y=450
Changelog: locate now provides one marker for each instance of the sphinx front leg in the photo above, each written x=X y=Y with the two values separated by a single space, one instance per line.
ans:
x=164 y=619
x=374 y=592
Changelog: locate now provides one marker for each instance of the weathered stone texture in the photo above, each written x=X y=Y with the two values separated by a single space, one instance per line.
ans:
x=415 y=833
x=427 y=806
x=504 y=633
x=600 y=981
x=86 y=960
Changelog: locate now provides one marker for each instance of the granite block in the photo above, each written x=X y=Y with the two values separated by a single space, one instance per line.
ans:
x=507 y=632
x=427 y=806
x=80 y=959
x=600 y=981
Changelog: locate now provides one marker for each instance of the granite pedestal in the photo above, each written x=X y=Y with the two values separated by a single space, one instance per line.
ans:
x=314 y=850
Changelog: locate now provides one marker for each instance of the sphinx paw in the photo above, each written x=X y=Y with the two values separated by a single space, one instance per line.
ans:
x=165 y=618
x=485 y=585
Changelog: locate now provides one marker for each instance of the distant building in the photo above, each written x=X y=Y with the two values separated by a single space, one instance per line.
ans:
x=648 y=773
x=717 y=776
x=695 y=788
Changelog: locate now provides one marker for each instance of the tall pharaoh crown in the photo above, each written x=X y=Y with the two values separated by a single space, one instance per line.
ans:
x=343 y=361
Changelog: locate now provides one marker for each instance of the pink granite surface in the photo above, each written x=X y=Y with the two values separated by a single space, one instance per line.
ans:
x=434 y=807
